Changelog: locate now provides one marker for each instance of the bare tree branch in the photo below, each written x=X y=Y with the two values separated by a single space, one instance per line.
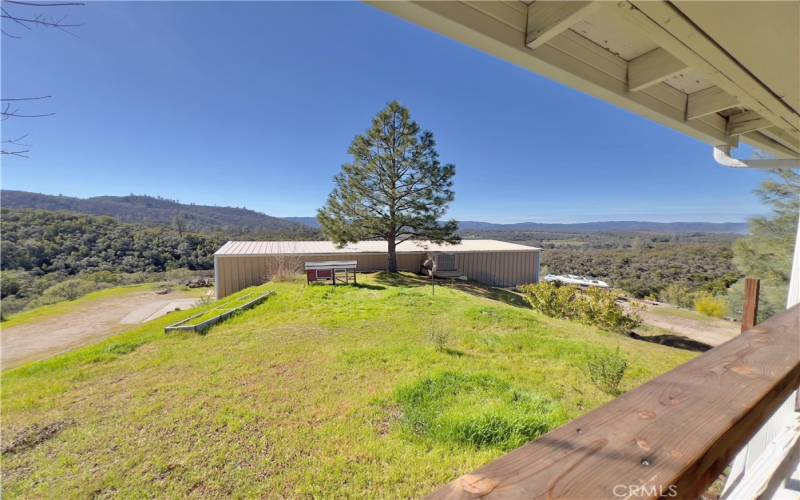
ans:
x=20 y=154
x=25 y=98
x=9 y=113
x=46 y=4
x=28 y=22
x=12 y=10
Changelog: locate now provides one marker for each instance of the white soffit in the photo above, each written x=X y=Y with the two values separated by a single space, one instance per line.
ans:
x=762 y=36
x=689 y=65
x=614 y=34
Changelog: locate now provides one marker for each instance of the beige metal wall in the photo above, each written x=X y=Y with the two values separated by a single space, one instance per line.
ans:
x=500 y=268
x=235 y=272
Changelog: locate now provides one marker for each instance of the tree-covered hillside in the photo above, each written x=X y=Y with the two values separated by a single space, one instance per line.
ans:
x=51 y=256
x=44 y=242
x=150 y=210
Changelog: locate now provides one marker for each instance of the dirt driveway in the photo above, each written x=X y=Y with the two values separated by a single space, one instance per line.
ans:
x=709 y=331
x=85 y=324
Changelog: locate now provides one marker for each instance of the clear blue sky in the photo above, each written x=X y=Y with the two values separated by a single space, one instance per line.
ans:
x=255 y=104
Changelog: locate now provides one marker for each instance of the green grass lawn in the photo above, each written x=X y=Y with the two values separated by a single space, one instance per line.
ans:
x=319 y=391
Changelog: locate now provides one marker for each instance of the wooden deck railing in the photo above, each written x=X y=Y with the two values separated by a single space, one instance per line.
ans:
x=669 y=437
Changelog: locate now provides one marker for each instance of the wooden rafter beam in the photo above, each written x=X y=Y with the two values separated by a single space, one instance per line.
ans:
x=779 y=135
x=708 y=101
x=666 y=26
x=748 y=121
x=548 y=19
x=652 y=68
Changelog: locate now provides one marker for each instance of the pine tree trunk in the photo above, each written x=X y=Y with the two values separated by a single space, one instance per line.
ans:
x=392 y=255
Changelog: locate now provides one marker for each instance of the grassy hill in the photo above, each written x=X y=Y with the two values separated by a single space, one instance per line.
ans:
x=320 y=391
x=151 y=210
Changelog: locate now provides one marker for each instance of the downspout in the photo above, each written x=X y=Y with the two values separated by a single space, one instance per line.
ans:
x=722 y=156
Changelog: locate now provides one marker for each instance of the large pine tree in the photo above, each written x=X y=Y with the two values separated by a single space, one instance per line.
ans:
x=394 y=189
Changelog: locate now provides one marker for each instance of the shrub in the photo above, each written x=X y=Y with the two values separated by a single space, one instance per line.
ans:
x=68 y=290
x=709 y=305
x=439 y=339
x=284 y=268
x=551 y=299
x=677 y=295
x=606 y=370
x=594 y=306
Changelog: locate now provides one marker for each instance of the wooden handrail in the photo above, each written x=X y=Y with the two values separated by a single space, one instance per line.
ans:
x=669 y=437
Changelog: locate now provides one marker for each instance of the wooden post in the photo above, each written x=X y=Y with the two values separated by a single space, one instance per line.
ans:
x=750 y=314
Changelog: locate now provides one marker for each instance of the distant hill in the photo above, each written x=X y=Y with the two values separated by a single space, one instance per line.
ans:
x=612 y=226
x=150 y=210
x=588 y=227
x=306 y=221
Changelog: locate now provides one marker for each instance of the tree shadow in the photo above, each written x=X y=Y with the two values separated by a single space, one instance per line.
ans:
x=675 y=341
x=407 y=280
x=403 y=280
x=368 y=286
x=499 y=294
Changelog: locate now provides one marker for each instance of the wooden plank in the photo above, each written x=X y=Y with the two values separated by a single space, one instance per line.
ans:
x=750 y=314
x=652 y=68
x=503 y=12
x=748 y=121
x=790 y=140
x=670 y=436
x=709 y=101
x=548 y=19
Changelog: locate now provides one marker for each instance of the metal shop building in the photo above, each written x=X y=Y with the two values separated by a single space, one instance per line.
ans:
x=239 y=264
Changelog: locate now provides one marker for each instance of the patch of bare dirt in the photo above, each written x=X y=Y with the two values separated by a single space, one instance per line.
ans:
x=34 y=435
x=709 y=331
x=85 y=324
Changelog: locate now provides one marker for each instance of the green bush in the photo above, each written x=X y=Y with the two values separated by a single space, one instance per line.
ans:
x=479 y=410
x=709 y=305
x=606 y=369
x=67 y=290
x=677 y=295
x=552 y=300
x=594 y=306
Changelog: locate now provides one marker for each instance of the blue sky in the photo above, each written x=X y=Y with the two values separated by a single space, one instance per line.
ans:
x=255 y=104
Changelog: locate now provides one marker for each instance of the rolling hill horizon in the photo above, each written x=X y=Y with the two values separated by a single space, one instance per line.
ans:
x=144 y=209
x=150 y=210
x=587 y=227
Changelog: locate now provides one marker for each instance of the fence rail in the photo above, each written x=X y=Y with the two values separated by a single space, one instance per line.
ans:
x=671 y=436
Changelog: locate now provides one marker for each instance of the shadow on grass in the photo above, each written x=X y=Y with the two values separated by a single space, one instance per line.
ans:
x=675 y=341
x=454 y=352
x=368 y=286
x=402 y=279
x=506 y=296
x=408 y=280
